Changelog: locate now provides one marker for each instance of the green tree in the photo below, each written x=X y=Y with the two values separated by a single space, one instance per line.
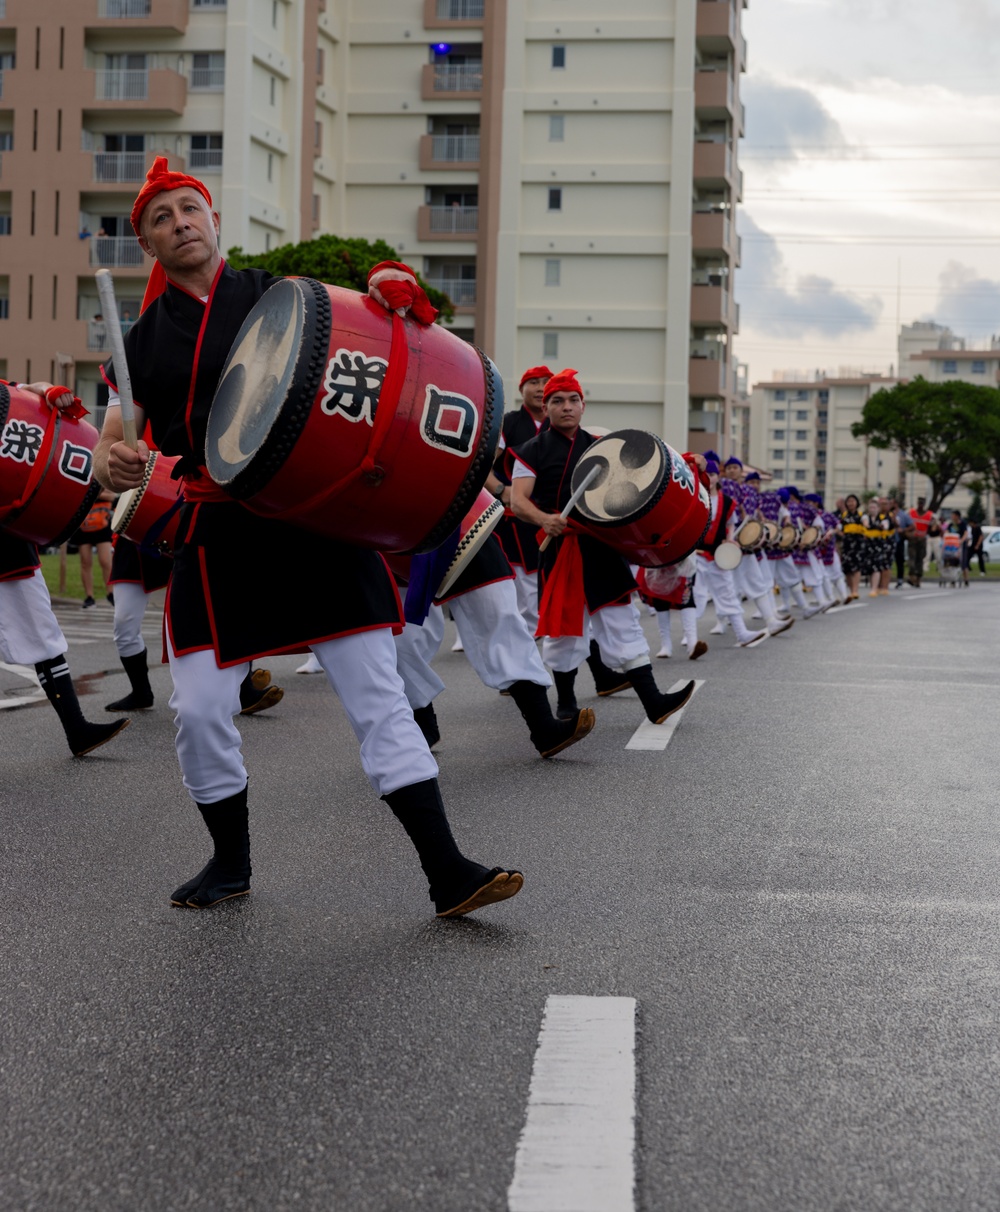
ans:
x=943 y=430
x=977 y=513
x=334 y=260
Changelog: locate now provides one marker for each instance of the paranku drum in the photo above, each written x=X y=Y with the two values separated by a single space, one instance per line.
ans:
x=646 y=501
x=728 y=555
x=150 y=514
x=340 y=418
x=751 y=535
x=475 y=529
x=771 y=533
x=46 y=468
x=810 y=536
x=788 y=537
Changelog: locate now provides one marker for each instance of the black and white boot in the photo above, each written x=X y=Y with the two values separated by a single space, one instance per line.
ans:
x=81 y=734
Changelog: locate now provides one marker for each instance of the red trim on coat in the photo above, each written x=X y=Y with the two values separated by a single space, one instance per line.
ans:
x=495 y=581
x=197 y=351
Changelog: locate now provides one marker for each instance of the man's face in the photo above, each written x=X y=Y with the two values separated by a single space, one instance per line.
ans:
x=733 y=472
x=180 y=230
x=532 y=391
x=564 y=409
x=920 y=504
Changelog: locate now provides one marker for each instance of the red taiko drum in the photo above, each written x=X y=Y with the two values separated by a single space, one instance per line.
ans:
x=646 y=501
x=150 y=514
x=338 y=417
x=46 y=468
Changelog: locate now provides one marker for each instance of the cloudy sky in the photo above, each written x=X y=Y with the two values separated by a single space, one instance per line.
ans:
x=871 y=179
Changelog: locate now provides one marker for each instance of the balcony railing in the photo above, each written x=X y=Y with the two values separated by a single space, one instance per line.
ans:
x=208 y=79
x=128 y=166
x=455 y=147
x=98 y=339
x=120 y=251
x=460 y=10
x=454 y=218
x=124 y=84
x=207 y=159
x=458 y=77
x=461 y=291
x=124 y=9
x=1 y=82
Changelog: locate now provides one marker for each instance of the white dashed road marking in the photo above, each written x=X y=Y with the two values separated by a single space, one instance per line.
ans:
x=21 y=671
x=657 y=736
x=576 y=1153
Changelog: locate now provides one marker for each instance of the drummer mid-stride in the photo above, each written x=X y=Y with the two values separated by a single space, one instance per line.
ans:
x=583 y=583
x=220 y=613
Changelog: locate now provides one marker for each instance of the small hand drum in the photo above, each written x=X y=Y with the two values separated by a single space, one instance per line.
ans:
x=728 y=555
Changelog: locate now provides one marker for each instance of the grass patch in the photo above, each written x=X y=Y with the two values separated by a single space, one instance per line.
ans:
x=73 y=581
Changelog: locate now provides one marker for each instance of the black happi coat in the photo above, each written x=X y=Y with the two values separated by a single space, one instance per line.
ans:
x=18 y=557
x=607 y=578
x=517 y=538
x=132 y=564
x=242 y=585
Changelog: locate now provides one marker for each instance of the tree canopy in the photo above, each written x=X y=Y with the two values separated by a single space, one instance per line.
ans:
x=334 y=260
x=943 y=430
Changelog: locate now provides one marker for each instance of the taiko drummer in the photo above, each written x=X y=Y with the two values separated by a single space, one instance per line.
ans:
x=194 y=307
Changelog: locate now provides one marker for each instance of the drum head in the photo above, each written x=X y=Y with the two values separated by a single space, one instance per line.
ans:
x=787 y=537
x=270 y=372
x=810 y=536
x=771 y=532
x=128 y=502
x=728 y=555
x=630 y=478
x=471 y=541
x=751 y=534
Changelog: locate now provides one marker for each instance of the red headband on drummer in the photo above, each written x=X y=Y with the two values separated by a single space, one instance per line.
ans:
x=534 y=372
x=160 y=179
x=565 y=380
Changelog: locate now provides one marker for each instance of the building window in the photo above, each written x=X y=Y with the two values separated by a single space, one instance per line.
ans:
x=780 y=394
x=206 y=153
x=821 y=417
x=555 y=199
x=552 y=269
x=949 y=367
x=270 y=166
x=777 y=455
x=274 y=88
x=315 y=211
x=800 y=455
x=4 y=225
x=800 y=395
x=779 y=414
x=559 y=56
x=823 y=397
x=550 y=345
x=318 y=138
x=208 y=71
x=779 y=435
x=320 y=64
x=978 y=367
x=801 y=435
x=800 y=475
x=557 y=128
x=4 y=309
x=821 y=434
x=801 y=414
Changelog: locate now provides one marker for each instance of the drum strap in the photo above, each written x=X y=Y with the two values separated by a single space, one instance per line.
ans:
x=385 y=414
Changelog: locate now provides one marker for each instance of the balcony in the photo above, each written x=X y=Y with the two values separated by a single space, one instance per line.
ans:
x=98 y=339
x=159 y=90
x=714 y=93
x=447 y=222
x=116 y=252
x=716 y=25
x=711 y=233
x=162 y=16
x=449 y=151
x=120 y=168
x=706 y=377
x=451 y=81
x=205 y=159
x=461 y=291
x=447 y=13
x=208 y=79
x=713 y=305
x=713 y=162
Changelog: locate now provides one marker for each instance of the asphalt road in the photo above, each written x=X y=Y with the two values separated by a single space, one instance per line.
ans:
x=799 y=891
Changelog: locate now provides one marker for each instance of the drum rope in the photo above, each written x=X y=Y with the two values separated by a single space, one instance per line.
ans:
x=38 y=468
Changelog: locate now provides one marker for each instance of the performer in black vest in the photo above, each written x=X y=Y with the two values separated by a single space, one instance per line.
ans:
x=220 y=612
x=583 y=583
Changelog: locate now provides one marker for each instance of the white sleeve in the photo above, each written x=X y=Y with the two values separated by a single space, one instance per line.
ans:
x=503 y=443
x=114 y=399
x=521 y=471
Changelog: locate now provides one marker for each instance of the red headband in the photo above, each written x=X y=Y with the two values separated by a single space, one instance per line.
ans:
x=534 y=372
x=158 y=180
x=565 y=380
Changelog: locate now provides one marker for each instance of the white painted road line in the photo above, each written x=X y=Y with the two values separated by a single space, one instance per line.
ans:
x=657 y=736
x=852 y=606
x=29 y=675
x=934 y=593
x=576 y=1153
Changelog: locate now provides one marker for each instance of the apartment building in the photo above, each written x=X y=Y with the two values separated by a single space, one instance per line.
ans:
x=568 y=174
x=801 y=434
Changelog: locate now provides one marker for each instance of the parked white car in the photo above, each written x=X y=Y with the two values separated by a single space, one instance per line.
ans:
x=991 y=543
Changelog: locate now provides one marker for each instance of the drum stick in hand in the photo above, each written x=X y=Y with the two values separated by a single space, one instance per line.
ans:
x=106 y=289
x=571 y=503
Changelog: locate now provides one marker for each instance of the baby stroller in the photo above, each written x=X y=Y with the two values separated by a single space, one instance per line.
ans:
x=950 y=566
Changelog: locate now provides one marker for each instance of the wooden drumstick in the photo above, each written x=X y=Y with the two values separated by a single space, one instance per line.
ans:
x=106 y=289
x=571 y=503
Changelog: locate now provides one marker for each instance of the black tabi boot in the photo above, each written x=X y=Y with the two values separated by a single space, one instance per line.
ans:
x=548 y=734
x=427 y=723
x=566 y=705
x=227 y=873
x=257 y=694
x=457 y=884
x=658 y=706
x=141 y=696
x=606 y=680
x=80 y=733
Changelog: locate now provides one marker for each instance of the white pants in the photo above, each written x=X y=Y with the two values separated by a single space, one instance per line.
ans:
x=29 y=632
x=526 y=585
x=361 y=669
x=130 y=609
x=750 y=577
x=416 y=647
x=712 y=579
x=619 y=635
x=786 y=572
x=495 y=636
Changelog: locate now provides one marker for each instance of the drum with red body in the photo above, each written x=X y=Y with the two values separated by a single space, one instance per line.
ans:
x=150 y=514
x=303 y=428
x=46 y=468
x=646 y=502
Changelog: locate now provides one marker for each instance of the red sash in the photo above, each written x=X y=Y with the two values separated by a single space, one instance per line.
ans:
x=562 y=605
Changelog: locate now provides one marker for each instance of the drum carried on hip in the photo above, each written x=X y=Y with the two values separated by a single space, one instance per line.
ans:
x=646 y=501
x=323 y=419
x=46 y=468
x=788 y=537
x=476 y=527
x=751 y=535
x=150 y=514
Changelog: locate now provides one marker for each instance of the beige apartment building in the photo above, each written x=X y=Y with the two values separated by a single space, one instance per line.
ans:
x=567 y=173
